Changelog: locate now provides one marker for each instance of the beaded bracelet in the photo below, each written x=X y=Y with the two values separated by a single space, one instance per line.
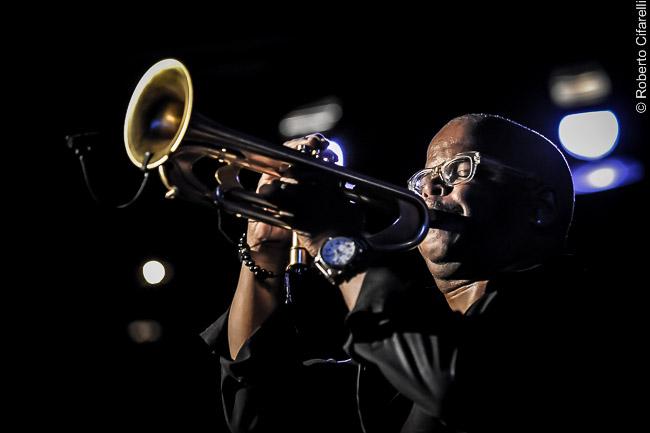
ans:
x=244 y=253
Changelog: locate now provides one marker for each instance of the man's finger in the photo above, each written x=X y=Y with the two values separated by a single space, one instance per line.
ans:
x=315 y=141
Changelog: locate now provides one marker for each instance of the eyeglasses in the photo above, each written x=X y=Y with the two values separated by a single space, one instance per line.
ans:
x=457 y=170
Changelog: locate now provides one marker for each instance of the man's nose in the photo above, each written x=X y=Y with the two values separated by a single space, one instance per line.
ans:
x=435 y=188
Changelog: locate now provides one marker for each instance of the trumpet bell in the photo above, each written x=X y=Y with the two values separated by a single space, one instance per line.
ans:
x=158 y=114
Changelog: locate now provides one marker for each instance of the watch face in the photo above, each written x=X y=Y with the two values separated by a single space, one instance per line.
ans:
x=338 y=252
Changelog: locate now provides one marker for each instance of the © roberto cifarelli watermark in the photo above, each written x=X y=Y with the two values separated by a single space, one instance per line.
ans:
x=641 y=64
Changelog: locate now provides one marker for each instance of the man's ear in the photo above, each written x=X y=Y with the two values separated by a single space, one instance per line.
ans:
x=544 y=208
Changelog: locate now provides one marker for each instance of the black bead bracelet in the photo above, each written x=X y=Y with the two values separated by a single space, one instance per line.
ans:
x=244 y=253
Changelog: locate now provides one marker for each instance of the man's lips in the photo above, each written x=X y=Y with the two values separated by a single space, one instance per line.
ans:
x=452 y=208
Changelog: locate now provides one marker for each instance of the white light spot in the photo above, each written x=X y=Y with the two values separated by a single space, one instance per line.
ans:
x=602 y=177
x=319 y=117
x=582 y=88
x=153 y=272
x=589 y=135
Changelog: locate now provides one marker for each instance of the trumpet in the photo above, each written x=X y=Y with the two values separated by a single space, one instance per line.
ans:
x=162 y=131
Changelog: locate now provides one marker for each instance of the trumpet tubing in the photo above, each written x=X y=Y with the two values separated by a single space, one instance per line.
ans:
x=163 y=131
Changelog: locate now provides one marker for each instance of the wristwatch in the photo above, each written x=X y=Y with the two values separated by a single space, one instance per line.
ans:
x=339 y=258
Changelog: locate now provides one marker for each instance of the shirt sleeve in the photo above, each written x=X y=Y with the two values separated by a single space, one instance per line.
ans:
x=409 y=333
x=260 y=388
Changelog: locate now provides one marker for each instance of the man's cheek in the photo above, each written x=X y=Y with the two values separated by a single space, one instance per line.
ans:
x=438 y=241
x=436 y=235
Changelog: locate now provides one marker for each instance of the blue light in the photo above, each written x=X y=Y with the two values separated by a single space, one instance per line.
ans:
x=338 y=151
x=591 y=135
x=606 y=174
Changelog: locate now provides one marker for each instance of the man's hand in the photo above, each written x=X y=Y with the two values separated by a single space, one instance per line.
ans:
x=271 y=241
x=255 y=300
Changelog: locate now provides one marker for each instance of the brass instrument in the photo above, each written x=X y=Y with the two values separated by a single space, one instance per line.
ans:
x=163 y=131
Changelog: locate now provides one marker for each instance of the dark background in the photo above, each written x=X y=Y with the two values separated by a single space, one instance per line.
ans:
x=399 y=80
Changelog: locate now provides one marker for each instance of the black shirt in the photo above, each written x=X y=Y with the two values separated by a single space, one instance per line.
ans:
x=510 y=363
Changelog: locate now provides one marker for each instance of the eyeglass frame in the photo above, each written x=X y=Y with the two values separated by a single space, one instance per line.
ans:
x=476 y=159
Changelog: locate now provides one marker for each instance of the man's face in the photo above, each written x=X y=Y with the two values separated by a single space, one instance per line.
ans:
x=496 y=230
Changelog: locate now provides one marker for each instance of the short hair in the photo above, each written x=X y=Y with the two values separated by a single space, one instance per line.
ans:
x=529 y=151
